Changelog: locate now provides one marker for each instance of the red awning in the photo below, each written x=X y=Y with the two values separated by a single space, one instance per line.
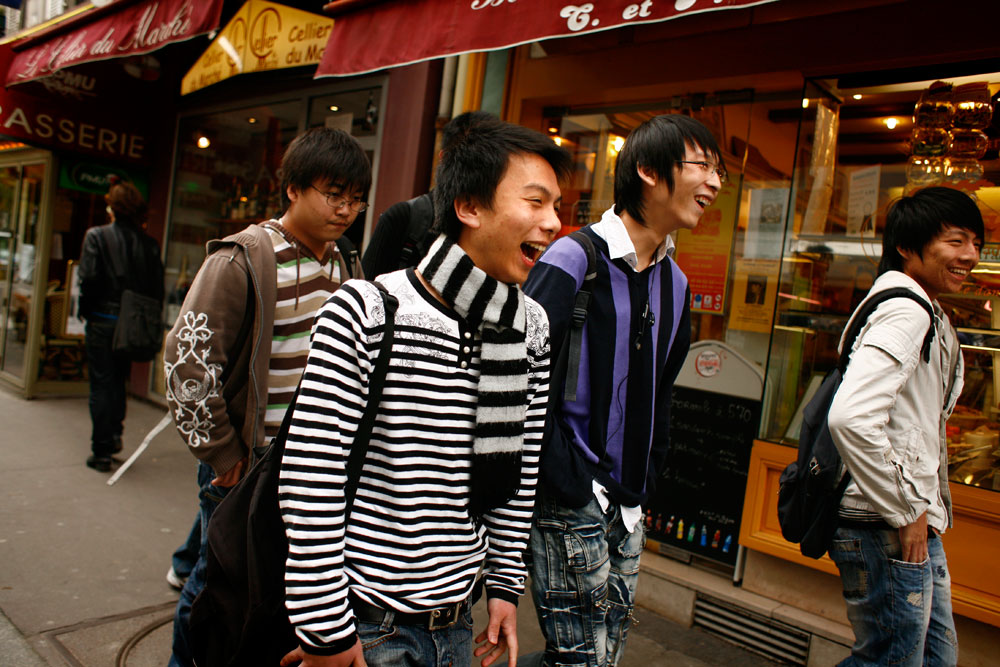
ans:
x=369 y=35
x=123 y=28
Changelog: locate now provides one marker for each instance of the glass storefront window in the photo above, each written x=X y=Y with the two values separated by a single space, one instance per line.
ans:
x=861 y=148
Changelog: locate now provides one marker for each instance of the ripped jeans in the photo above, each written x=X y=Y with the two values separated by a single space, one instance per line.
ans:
x=584 y=570
x=900 y=611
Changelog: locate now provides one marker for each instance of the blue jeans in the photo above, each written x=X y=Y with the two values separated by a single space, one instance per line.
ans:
x=584 y=570
x=184 y=559
x=900 y=611
x=209 y=498
x=388 y=645
x=108 y=372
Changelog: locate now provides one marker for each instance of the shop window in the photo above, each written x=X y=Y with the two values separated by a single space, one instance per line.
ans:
x=859 y=149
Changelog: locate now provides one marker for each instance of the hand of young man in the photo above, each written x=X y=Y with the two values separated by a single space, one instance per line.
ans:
x=500 y=635
x=352 y=657
x=913 y=540
x=232 y=476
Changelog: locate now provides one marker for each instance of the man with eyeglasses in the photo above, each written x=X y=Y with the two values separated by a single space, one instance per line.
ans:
x=606 y=439
x=235 y=354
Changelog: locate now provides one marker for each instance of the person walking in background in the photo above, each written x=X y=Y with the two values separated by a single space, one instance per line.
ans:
x=605 y=448
x=445 y=495
x=888 y=423
x=235 y=354
x=122 y=242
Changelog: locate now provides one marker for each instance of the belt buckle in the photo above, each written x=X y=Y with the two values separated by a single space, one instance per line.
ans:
x=443 y=618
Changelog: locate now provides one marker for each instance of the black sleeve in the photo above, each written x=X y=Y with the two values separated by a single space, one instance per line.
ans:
x=90 y=271
x=386 y=244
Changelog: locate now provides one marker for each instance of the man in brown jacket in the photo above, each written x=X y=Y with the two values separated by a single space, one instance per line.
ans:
x=235 y=353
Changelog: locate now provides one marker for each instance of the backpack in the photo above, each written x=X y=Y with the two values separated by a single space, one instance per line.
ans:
x=139 y=329
x=239 y=618
x=811 y=487
x=401 y=237
x=421 y=219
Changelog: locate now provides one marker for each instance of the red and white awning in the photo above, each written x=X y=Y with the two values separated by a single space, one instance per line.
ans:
x=372 y=35
x=122 y=28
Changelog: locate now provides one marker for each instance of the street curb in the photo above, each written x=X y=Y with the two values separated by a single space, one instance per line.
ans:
x=15 y=648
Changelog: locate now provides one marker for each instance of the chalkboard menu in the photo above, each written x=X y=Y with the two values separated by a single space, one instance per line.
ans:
x=699 y=497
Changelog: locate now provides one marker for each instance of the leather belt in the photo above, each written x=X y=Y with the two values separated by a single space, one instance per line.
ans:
x=435 y=619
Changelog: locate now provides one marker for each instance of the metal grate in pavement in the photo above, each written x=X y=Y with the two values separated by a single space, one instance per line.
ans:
x=757 y=633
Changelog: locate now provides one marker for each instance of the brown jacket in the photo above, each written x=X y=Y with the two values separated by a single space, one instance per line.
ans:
x=218 y=353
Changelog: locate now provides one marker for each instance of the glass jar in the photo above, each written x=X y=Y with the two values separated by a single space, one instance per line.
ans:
x=923 y=171
x=934 y=108
x=967 y=144
x=930 y=141
x=959 y=170
x=972 y=109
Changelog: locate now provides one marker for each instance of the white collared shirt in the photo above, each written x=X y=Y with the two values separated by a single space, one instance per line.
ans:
x=620 y=246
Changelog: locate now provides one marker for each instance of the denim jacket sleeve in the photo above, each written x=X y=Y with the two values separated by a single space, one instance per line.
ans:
x=884 y=359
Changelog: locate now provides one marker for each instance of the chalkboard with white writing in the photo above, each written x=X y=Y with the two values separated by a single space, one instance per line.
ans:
x=699 y=495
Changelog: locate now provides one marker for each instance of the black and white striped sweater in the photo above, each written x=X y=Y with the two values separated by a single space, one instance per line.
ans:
x=411 y=544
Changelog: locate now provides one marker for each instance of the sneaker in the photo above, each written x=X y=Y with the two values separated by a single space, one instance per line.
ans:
x=175 y=580
x=99 y=463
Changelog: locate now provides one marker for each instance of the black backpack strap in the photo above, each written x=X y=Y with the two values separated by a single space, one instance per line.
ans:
x=350 y=254
x=573 y=347
x=869 y=306
x=421 y=210
x=356 y=459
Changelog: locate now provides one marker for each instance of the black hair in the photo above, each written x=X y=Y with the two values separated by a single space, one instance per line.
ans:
x=476 y=149
x=322 y=154
x=913 y=221
x=657 y=144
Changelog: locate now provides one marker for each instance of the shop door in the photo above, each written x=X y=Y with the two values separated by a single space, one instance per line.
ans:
x=20 y=205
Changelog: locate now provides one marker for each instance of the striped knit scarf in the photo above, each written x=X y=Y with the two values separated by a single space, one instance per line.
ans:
x=497 y=311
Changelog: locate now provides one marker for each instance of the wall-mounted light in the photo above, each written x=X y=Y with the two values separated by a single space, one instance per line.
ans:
x=857 y=96
x=805 y=102
x=203 y=141
x=334 y=107
x=553 y=129
x=251 y=120
x=891 y=123
x=558 y=141
x=617 y=143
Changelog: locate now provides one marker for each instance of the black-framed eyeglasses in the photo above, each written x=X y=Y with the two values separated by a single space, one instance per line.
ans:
x=335 y=201
x=708 y=167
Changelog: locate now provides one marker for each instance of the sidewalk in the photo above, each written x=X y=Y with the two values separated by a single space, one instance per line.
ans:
x=83 y=564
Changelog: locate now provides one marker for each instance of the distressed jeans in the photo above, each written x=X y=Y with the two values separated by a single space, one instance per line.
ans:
x=209 y=497
x=584 y=570
x=900 y=611
x=388 y=645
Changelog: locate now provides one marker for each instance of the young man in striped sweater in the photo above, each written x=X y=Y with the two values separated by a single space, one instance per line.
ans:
x=238 y=347
x=605 y=445
x=446 y=494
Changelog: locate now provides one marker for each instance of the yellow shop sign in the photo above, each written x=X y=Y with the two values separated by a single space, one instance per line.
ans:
x=261 y=36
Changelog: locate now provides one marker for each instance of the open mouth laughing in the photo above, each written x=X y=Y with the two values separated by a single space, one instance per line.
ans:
x=704 y=201
x=532 y=251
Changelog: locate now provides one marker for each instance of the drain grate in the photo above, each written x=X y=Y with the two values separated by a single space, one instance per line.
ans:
x=770 y=638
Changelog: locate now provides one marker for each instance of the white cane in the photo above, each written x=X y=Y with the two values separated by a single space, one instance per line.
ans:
x=167 y=419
